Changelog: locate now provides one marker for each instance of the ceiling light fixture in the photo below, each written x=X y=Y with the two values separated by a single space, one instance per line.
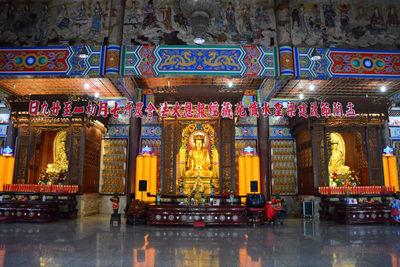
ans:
x=200 y=14
x=383 y=88
x=315 y=56
x=311 y=87
x=199 y=40
x=86 y=86
x=301 y=96
x=230 y=84
x=83 y=53
x=96 y=95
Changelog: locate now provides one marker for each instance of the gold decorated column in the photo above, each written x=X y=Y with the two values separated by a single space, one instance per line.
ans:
x=242 y=177
x=2 y=172
x=393 y=176
x=139 y=175
x=153 y=175
x=256 y=172
x=10 y=170
x=146 y=174
x=386 y=170
x=248 y=163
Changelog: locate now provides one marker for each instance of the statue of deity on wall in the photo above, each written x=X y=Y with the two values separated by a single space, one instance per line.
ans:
x=59 y=154
x=199 y=162
x=338 y=156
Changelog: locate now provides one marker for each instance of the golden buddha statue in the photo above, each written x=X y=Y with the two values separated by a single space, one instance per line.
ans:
x=198 y=162
x=198 y=188
x=337 y=160
x=59 y=156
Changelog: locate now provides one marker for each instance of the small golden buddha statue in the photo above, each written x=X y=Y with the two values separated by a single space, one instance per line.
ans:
x=337 y=160
x=59 y=156
x=198 y=188
x=199 y=163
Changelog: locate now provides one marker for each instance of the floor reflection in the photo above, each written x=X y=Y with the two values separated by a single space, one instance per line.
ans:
x=92 y=242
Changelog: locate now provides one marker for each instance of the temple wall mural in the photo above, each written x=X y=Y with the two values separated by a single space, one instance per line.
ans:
x=147 y=21
x=307 y=23
x=33 y=23
x=347 y=24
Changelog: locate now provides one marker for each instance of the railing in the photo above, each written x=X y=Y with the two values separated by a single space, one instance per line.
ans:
x=67 y=189
x=355 y=190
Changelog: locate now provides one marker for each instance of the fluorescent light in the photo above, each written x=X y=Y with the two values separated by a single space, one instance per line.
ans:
x=383 y=88
x=301 y=96
x=87 y=86
x=311 y=87
x=96 y=95
x=230 y=84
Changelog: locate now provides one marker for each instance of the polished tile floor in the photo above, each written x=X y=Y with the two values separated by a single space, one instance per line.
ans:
x=91 y=241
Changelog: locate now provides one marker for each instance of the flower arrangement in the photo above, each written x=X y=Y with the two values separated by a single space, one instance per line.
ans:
x=354 y=179
x=56 y=178
x=59 y=178
x=345 y=179
x=44 y=178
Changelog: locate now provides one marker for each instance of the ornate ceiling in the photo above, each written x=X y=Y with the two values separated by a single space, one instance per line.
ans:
x=190 y=87
x=103 y=86
x=337 y=88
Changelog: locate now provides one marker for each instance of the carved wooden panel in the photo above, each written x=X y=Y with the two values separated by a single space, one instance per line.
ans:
x=22 y=155
x=75 y=160
x=227 y=161
x=91 y=165
x=321 y=171
x=374 y=156
x=305 y=163
x=169 y=137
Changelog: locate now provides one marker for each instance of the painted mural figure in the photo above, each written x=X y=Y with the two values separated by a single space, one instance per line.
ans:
x=180 y=18
x=298 y=18
x=303 y=27
x=246 y=18
x=97 y=17
x=344 y=19
x=81 y=15
x=10 y=16
x=257 y=22
x=149 y=15
x=167 y=14
x=133 y=16
x=24 y=18
x=392 y=19
x=43 y=24
x=330 y=15
x=377 y=22
x=230 y=17
x=3 y=14
x=315 y=18
x=64 y=20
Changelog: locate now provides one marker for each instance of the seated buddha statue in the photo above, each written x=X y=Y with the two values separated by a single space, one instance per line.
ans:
x=198 y=188
x=59 y=156
x=337 y=160
x=198 y=162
